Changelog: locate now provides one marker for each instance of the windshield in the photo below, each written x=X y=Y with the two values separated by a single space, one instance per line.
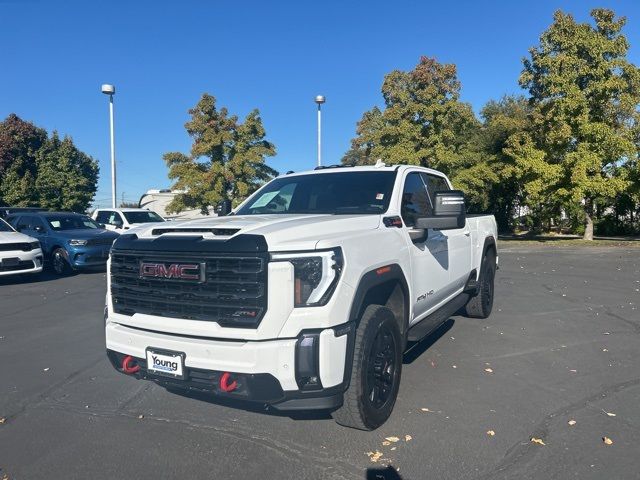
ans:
x=332 y=192
x=142 y=217
x=71 y=222
x=4 y=226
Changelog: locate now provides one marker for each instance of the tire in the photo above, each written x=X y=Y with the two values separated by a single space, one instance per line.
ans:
x=481 y=304
x=375 y=373
x=59 y=263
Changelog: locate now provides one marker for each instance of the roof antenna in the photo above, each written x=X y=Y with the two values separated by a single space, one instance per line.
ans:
x=380 y=163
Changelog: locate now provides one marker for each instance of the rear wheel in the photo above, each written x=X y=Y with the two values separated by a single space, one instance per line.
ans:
x=481 y=304
x=376 y=371
x=59 y=262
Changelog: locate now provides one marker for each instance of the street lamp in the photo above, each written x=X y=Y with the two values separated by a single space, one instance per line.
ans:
x=320 y=100
x=111 y=90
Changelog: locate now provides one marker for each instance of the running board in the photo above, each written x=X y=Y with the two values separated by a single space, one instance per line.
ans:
x=429 y=323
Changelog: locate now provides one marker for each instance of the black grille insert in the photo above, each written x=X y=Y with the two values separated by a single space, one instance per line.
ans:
x=15 y=247
x=234 y=293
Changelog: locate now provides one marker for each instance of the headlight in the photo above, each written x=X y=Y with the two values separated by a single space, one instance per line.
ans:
x=34 y=245
x=315 y=275
x=77 y=243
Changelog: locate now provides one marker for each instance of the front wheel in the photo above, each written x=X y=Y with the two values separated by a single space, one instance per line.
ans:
x=375 y=373
x=59 y=262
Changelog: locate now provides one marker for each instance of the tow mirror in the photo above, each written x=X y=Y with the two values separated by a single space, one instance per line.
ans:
x=449 y=211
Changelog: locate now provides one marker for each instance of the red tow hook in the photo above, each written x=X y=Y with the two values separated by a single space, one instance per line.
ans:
x=225 y=385
x=127 y=367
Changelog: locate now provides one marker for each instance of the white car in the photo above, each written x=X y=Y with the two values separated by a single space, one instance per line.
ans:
x=19 y=253
x=306 y=295
x=119 y=219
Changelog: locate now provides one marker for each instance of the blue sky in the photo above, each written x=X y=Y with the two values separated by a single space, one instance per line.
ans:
x=276 y=56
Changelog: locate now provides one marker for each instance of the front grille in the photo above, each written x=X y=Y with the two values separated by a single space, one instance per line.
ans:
x=234 y=293
x=13 y=247
x=21 y=265
x=100 y=241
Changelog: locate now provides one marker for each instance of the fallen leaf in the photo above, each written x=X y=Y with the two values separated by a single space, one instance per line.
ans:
x=454 y=366
x=407 y=438
x=385 y=443
x=571 y=422
x=491 y=433
x=425 y=409
x=392 y=439
x=374 y=457
x=605 y=350
x=140 y=417
x=2 y=420
x=537 y=440
x=607 y=441
x=610 y=414
x=573 y=371
x=393 y=448
x=45 y=369
x=488 y=370
x=606 y=333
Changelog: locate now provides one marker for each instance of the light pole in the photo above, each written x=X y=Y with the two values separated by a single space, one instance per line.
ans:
x=111 y=90
x=320 y=100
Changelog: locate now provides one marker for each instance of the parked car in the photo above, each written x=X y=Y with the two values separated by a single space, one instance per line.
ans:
x=70 y=241
x=120 y=219
x=19 y=253
x=306 y=295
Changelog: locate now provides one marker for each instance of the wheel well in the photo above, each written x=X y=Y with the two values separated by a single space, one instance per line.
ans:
x=391 y=295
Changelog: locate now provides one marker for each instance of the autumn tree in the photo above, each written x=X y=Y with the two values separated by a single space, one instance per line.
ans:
x=423 y=121
x=226 y=161
x=584 y=95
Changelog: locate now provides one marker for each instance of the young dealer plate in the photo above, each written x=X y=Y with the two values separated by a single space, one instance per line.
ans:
x=167 y=364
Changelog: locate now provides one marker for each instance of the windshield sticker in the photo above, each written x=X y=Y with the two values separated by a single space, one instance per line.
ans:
x=264 y=199
x=379 y=196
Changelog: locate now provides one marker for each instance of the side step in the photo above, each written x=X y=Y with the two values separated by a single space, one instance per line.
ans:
x=434 y=320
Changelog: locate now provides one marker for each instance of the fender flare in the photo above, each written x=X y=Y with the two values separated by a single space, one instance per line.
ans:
x=373 y=278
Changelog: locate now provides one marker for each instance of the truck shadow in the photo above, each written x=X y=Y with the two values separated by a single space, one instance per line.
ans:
x=388 y=473
x=415 y=349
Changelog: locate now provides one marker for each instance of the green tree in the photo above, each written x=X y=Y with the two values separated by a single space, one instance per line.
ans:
x=227 y=158
x=503 y=186
x=423 y=121
x=66 y=177
x=19 y=143
x=585 y=95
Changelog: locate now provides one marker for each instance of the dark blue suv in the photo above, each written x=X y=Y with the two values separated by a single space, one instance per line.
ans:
x=70 y=241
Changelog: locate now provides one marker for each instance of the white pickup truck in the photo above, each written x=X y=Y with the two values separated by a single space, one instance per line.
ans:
x=305 y=296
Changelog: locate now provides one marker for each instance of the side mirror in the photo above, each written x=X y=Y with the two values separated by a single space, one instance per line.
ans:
x=223 y=208
x=39 y=229
x=102 y=226
x=449 y=211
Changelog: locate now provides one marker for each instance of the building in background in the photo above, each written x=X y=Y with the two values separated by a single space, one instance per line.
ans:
x=158 y=200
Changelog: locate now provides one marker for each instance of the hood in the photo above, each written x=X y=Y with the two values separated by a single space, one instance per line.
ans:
x=86 y=234
x=15 y=237
x=282 y=232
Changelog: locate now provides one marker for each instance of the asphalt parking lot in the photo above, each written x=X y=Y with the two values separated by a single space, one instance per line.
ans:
x=562 y=345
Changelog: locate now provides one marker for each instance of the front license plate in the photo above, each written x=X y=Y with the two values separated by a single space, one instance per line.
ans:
x=168 y=364
x=10 y=262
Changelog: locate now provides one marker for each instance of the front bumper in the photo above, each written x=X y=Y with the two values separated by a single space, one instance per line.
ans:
x=21 y=262
x=303 y=373
x=88 y=256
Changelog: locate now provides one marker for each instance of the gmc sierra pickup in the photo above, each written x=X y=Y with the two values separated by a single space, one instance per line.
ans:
x=306 y=295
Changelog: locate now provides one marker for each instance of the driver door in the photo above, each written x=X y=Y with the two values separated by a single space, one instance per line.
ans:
x=429 y=248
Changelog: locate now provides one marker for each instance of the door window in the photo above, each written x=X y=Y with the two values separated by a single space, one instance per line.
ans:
x=23 y=224
x=415 y=201
x=103 y=216
x=434 y=183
